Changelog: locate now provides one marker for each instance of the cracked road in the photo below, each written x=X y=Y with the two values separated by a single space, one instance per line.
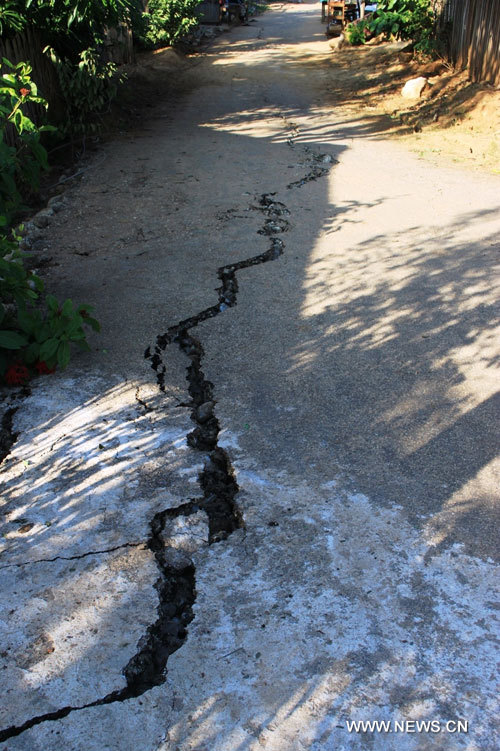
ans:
x=297 y=530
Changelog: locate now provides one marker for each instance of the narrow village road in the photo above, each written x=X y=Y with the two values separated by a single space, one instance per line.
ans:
x=301 y=533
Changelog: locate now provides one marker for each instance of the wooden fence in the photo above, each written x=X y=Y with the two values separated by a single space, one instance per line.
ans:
x=473 y=29
x=119 y=45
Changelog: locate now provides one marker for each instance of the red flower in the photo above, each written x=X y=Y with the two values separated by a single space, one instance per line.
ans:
x=42 y=368
x=24 y=92
x=17 y=375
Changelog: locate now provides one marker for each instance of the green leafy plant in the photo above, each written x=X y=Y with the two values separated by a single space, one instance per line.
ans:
x=406 y=19
x=357 y=33
x=11 y=19
x=68 y=25
x=88 y=89
x=21 y=164
x=18 y=286
x=168 y=21
x=35 y=336
x=34 y=340
x=48 y=336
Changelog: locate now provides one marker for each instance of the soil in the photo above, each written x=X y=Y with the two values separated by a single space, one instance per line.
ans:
x=454 y=120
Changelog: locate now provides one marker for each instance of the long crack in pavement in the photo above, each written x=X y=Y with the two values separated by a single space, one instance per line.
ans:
x=176 y=585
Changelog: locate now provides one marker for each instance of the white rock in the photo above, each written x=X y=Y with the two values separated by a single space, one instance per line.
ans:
x=413 y=88
x=337 y=43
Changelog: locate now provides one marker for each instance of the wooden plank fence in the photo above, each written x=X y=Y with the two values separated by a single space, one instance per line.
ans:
x=119 y=45
x=473 y=37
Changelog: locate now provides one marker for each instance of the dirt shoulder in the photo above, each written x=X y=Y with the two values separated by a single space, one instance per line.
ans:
x=454 y=120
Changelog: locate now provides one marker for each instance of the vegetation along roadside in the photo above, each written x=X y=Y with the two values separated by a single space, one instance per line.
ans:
x=36 y=331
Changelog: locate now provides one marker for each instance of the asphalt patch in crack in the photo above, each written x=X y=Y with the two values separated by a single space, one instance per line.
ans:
x=176 y=584
x=316 y=172
x=320 y=166
x=320 y=163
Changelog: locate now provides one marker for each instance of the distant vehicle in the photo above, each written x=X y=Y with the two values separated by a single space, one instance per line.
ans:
x=234 y=9
x=222 y=11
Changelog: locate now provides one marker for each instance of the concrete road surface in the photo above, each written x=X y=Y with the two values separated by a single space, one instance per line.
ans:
x=295 y=534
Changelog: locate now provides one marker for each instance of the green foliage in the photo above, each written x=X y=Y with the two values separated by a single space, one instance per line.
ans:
x=88 y=89
x=72 y=31
x=11 y=20
x=18 y=287
x=49 y=336
x=21 y=165
x=390 y=23
x=406 y=19
x=32 y=339
x=68 y=25
x=356 y=33
x=168 y=21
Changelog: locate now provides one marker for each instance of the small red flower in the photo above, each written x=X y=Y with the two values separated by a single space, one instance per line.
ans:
x=17 y=375
x=24 y=92
x=42 y=368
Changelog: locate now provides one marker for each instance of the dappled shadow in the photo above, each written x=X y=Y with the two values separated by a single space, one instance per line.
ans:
x=400 y=332
x=61 y=467
x=360 y=78
x=448 y=102
x=79 y=491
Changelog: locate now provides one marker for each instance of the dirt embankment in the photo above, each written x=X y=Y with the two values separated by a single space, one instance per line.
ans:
x=454 y=119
